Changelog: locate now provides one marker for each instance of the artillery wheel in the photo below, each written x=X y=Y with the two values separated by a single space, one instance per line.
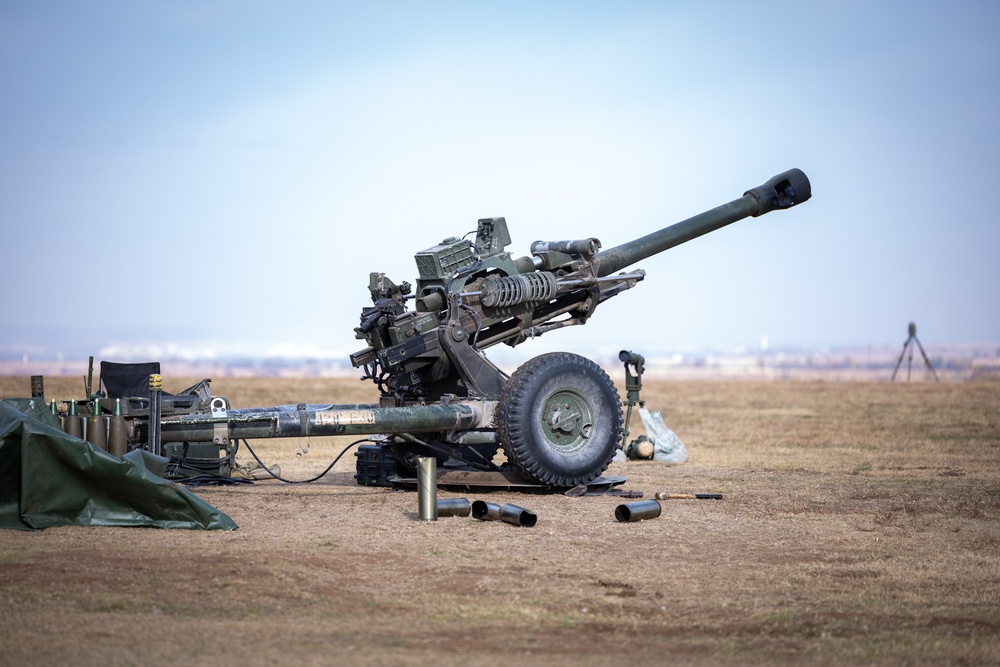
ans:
x=559 y=419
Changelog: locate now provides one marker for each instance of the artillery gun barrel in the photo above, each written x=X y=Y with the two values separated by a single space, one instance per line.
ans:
x=326 y=420
x=783 y=191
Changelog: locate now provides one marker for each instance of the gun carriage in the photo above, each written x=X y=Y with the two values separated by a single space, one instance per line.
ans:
x=558 y=417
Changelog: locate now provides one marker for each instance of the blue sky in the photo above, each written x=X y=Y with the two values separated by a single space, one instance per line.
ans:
x=224 y=175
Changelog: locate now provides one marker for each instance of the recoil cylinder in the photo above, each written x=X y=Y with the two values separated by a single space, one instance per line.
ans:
x=522 y=288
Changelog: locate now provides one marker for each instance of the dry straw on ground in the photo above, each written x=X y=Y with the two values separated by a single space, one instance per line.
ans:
x=859 y=525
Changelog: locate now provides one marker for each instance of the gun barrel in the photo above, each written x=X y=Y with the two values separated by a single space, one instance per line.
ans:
x=324 y=420
x=783 y=191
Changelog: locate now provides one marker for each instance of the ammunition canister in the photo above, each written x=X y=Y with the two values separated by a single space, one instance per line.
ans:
x=117 y=432
x=427 y=488
x=97 y=432
x=72 y=424
x=55 y=413
x=637 y=511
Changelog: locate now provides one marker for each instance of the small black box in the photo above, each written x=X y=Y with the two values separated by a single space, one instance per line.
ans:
x=376 y=464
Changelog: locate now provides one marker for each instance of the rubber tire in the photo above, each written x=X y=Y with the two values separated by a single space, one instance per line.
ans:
x=528 y=437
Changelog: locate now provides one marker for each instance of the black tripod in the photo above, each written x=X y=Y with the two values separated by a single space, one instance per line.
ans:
x=908 y=345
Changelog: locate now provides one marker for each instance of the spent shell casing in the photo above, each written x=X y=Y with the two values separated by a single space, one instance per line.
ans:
x=427 y=488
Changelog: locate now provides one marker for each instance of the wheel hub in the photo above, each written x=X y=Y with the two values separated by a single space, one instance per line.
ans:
x=568 y=418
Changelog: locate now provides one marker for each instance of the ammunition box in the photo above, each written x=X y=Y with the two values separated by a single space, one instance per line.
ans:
x=375 y=465
x=445 y=259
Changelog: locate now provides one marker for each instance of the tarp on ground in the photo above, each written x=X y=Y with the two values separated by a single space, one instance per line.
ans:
x=49 y=478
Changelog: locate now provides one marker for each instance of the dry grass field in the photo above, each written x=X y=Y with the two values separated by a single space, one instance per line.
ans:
x=859 y=526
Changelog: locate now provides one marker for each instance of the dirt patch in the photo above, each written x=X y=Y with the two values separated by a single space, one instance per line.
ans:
x=859 y=525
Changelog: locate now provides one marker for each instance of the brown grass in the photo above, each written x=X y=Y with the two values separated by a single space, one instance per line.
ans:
x=860 y=526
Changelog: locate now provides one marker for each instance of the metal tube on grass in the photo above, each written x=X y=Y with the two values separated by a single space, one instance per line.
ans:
x=512 y=514
x=518 y=516
x=485 y=511
x=427 y=488
x=453 y=507
x=637 y=511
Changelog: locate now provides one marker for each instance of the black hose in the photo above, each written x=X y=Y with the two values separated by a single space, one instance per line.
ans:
x=303 y=481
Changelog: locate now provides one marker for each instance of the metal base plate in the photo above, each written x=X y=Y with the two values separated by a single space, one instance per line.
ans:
x=475 y=480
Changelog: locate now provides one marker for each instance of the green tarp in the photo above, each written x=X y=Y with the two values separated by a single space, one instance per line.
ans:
x=49 y=478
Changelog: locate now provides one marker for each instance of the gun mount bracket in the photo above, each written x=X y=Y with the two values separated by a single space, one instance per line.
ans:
x=220 y=429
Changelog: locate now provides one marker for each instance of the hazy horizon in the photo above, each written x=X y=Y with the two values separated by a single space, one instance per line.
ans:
x=228 y=174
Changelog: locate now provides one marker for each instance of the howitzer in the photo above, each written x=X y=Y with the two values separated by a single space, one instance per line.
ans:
x=558 y=417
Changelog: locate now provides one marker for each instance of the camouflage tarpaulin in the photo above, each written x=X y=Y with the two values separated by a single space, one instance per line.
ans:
x=49 y=478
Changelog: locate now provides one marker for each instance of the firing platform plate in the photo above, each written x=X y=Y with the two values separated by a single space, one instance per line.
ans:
x=476 y=480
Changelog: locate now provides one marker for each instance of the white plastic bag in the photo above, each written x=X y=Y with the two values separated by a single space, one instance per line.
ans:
x=667 y=447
